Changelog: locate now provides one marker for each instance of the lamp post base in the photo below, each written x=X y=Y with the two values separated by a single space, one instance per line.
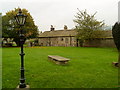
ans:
x=26 y=88
x=22 y=85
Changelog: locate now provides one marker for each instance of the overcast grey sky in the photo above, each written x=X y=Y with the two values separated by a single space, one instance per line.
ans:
x=61 y=12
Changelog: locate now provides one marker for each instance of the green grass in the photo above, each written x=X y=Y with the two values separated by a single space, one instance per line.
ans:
x=88 y=68
x=0 y=69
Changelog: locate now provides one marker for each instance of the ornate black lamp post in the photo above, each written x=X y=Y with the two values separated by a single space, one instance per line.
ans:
x=20 y=19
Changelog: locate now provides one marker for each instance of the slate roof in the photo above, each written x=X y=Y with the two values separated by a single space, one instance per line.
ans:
x=59 y=33
x=108 y=34
x=62 y=33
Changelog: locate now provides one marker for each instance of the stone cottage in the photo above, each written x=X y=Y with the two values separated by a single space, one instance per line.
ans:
x=67 y=37
x=58 y=38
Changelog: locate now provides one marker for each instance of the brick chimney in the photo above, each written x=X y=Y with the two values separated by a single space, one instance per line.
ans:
x=52 y=28
x=65 y=27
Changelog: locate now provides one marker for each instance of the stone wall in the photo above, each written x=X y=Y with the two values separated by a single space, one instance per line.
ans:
x=71 y=41
x=57 y=41
x=101 y=42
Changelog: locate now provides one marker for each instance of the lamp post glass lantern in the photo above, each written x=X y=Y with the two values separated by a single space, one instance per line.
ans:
x=20 y=19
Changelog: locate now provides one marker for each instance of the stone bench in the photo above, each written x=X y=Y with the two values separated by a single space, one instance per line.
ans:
x=115 y=64
x=58 y=59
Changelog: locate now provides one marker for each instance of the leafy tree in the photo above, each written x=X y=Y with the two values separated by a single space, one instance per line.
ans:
x=10 y=29
x=87 y=26
x=116 y=36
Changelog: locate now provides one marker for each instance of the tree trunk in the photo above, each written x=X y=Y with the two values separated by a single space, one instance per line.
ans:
x=17 y=41
x=119 y=69
x=81 y=42
x=119 y=59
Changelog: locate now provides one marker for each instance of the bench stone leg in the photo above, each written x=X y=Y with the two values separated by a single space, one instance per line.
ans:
x=60 y=63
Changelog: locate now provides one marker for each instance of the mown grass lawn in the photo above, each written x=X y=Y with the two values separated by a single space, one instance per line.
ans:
x=0 y=69
x=88 y=67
